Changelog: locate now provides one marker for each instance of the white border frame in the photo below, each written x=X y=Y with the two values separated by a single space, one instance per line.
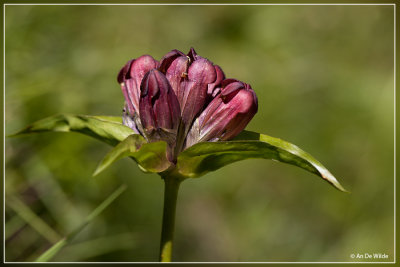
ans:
x=201 y=4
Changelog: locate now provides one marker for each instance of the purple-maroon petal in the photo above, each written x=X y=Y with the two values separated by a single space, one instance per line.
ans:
x=200 y=74
x=226 y=115
x=176 y=73
x=159 y=107
x=140 y=67
x=132 y=77
x=213 y=87
x=232 y=87
x=124 y=72
x=167 y=60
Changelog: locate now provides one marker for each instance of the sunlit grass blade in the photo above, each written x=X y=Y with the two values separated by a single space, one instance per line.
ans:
x=32 y=219
x=151 y=157
x=98 y=246
x=53 y=250
x=52 y=195
x=12 y=226
x=105 y=128
x=210 y=156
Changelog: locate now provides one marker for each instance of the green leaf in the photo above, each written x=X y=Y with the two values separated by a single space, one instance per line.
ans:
x=210 y=156
x=151 y=157
x=105 y=128
x=53 y=250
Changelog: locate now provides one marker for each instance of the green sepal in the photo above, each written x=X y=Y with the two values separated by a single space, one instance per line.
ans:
x=151 y=157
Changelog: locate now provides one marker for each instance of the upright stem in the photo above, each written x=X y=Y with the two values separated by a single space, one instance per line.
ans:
x=167 y=233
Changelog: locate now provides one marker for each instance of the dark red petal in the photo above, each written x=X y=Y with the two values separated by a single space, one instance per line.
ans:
x=166 y=60
x=146 y=113
x=122 y=75
x=246 y=103
x=232 y=87
x=200 y=74
x=140 y=67
x=131 y=76
x=159 y=107
x=177 y=72
x=225 y=117
x=226 y=82
x=202 y=71
x=220 y=77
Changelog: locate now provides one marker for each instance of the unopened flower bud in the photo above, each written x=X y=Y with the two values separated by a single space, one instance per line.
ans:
x=130 y=78
x=226 y=115
x=158 y=108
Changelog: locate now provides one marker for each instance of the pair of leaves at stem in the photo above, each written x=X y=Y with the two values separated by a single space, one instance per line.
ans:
x=195 y=161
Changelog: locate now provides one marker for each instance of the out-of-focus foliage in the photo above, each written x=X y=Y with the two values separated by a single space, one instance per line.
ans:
x=324 y=79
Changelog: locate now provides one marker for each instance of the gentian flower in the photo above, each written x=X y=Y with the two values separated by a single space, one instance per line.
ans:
x=184 y=99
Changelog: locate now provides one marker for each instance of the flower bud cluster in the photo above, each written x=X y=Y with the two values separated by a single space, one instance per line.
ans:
x=184 y=99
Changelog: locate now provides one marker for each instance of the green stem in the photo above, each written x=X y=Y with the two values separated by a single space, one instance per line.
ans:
x=172 y=183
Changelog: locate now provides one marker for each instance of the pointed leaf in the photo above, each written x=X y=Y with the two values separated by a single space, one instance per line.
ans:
x=210 y=156
x=105 y=128
x=151 y=157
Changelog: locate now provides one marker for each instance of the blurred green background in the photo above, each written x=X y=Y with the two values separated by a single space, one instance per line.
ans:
x=324 y=80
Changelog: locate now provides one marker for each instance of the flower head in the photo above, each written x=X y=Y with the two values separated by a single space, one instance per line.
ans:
x=193 y=78
x=184 y=99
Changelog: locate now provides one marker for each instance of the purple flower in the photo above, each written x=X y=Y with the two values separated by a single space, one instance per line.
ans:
x=130 y=78
x=183 y=100
x=226 y=115
x=193 y=79
x=158 y=107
